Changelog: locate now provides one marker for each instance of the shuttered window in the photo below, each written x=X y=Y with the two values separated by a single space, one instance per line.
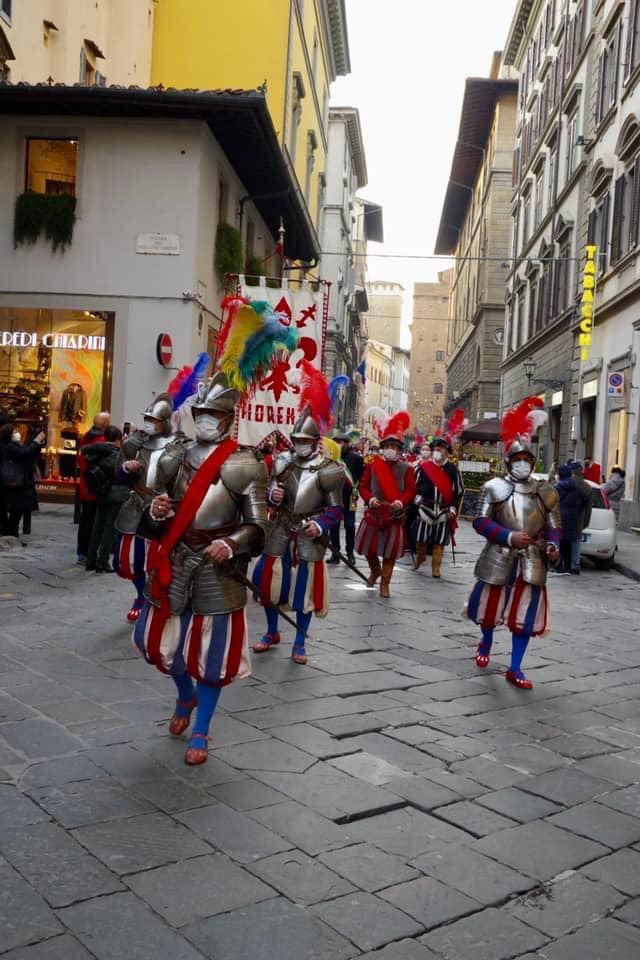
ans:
x=617 y=230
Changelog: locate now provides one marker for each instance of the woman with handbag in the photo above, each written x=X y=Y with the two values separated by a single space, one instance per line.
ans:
x=17 y=461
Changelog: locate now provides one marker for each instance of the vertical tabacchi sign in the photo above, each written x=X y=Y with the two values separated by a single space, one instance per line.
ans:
x=588 y=297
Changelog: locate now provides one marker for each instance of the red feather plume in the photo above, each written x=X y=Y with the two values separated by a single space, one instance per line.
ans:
x=518 y=423
x=314 y=395
x=397 y=425
x=232 y=304
x=455 y=425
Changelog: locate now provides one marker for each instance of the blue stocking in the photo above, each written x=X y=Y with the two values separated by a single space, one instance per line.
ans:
x=184 y=683
x=303 y=620
x=487 y=640
x=272 y=620
x=207 y=703
x=518 y=649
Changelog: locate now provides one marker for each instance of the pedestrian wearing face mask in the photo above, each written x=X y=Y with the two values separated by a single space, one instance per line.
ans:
x=17 y=461
x=140 y=453
x=88 y=502
x=520 y=520
x=305 y=489
x=387 y=487
x=439 y=501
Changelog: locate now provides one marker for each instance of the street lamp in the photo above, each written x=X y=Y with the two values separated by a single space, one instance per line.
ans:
x=530 y=369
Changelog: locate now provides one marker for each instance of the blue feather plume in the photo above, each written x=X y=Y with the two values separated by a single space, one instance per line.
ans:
x=262 y=346
x=342 y=380
x=189 y=386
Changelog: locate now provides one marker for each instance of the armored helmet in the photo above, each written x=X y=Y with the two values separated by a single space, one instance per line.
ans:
x=215 y=395
x=305 y=427
x=519 y=445
x=161 y=409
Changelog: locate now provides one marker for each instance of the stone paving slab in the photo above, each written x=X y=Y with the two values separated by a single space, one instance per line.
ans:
x=491 y=935
x=430 y=902
x=566 y=905
x=300 y=878
x=24 y=916
x=367 y=921
x=539 y=849
x=63 y=947
x=607 y=938
x=194 y=889
x=368 y=867
x=275 y=928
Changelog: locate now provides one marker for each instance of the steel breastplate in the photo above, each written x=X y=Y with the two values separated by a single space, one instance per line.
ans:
x=302 y=493
x=218 y=507
x=522 y=511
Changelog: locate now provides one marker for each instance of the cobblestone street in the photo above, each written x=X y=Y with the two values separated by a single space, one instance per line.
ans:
x=386 y=801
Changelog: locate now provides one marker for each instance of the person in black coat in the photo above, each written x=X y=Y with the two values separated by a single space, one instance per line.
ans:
x=355 y=466
x=573 y=503
x=102 y=460
x=17 y=462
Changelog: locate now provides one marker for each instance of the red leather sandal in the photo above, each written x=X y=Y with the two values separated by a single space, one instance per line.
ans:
x=518 y=679
x=482 y=657
x=269 y=640
x=182 y=716
x=197 y=755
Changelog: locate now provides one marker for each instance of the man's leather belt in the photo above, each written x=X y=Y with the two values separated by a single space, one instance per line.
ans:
x=199 y=538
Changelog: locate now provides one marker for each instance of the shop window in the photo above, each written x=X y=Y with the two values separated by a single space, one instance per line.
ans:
x=440 y=356
x=438 y=388
x=52 y=166
x=312 y=146
x=54 y=376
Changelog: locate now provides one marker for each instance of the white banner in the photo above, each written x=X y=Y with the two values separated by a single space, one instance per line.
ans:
x=274 y=406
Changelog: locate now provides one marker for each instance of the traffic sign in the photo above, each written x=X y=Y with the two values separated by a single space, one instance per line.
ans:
x=615 y=384
x=164 y=349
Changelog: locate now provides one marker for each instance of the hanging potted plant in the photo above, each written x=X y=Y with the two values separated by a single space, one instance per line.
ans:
x=37 y=213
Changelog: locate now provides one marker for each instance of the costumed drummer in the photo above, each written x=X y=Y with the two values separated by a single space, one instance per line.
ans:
x=387 y=487
x=305 y=489
x=439 y=498
x=209 y=518
x=137 y=464
x=519 y=518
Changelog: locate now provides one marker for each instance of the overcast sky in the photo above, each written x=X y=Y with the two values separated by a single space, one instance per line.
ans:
x=409 y=61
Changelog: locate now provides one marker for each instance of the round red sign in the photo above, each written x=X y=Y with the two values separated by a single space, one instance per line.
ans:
x=164 y=349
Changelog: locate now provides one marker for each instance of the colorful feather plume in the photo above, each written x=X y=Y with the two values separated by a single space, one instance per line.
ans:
x=397 y=425
x=330 y=449
x=185 y=382
x=342 y=380
x=522 y=421
x=455 y=425
x=232 y=304
x=314 y=395
x=262 y=346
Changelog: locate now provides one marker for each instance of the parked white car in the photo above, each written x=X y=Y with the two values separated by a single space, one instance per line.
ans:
x=599 y=540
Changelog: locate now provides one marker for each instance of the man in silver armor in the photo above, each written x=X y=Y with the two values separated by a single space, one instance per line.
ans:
x=519 y=517
x=306 y=490
x=137 y=464
x=209 y=512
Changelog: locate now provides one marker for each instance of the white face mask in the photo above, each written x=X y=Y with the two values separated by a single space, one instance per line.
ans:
x=391 y=454
x=207 y=427
x=303 y=450
x=150 y=426
x=520 y=470
x=15 y=436
x=438 y=456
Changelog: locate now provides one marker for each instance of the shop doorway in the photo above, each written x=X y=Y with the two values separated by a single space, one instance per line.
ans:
x=617 y=440
x=588 y=426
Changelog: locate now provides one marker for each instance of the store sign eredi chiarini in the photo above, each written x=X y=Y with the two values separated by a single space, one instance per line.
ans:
x=54 y=341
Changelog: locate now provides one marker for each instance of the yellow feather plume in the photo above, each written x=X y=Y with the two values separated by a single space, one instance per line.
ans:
x=330 y=448
x=246 y=323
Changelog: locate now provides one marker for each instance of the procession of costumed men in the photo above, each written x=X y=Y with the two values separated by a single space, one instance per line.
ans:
x=199 y=510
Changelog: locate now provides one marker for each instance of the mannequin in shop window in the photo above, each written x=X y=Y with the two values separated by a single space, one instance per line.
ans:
x=73 y=404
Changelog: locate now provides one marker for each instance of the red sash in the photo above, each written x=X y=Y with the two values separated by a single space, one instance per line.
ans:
x=386 y=480
x=159 y=560
x=440 y=479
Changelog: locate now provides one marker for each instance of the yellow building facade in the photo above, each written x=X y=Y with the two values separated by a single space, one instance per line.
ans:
x=295 y=47
x=73 y=41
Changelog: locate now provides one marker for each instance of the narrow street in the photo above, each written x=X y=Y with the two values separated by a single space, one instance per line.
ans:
x=386 y=801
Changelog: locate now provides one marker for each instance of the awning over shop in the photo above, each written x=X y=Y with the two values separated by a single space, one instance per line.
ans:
x=486 y=431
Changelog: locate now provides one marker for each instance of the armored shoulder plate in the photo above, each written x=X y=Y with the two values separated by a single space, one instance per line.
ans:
x=548 y=494
x=241 y=470
x=498 y=489
x=169 y=463
x=281 y=462
x=331 y=475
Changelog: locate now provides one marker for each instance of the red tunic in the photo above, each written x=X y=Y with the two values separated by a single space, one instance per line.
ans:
x=382 y=532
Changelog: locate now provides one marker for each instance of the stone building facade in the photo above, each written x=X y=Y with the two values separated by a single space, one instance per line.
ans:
x=427 y=376
x=475 y=225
